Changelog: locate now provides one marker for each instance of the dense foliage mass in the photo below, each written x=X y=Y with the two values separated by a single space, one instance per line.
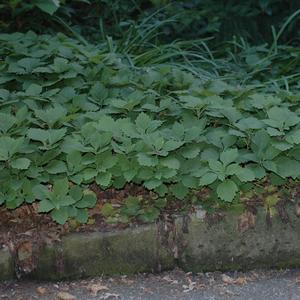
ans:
x=169 y=117
x=190 y=19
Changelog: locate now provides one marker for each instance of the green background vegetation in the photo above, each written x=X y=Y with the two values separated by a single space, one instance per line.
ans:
x=174 y=96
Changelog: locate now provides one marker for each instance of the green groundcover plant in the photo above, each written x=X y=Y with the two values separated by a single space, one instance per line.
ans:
x=73 y=114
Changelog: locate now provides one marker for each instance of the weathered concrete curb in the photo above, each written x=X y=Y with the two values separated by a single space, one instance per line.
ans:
x=223 y=247
x=123 y=252
x=6 y=265
x=192 y=243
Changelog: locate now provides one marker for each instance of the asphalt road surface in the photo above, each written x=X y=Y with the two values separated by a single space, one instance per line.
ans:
x=254 y=285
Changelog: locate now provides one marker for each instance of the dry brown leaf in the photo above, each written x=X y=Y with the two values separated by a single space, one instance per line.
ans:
x=191 y=286
x=25 y=251
x=246 y=221
x=127 y=281
x=25 y=257
x=229 y=280
x=241 y=280
x=65 y=296
x=41 y=290
x=97 y=287
x=170 y=280
x=109 y=296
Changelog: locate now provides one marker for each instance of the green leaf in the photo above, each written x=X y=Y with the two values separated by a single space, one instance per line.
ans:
x=20 y=163
x=61 y=187
x=47 y=6
x=129 y=174
x=151 y=184
x=281 y=117
x=190 y=181
x=107 y=124
x=6 y=122
x=41 y=192
x=34 y=90
x=89 y=174
x=4 y=94
x=293 y=137
x=208 y=179
x=192 y=102
x=132 y=206
x=190 y=151
x=107 y=210
x=249 y=123
x=258 y=171
x=60 y=65
x=37 y=134
x=73 y=160
x=270 y=165
x=64 y=200
x=216 y=166
x=76 y=192
x=22 y=114
x=179 y=190
x=274 y=132
x=60 y=215
x=142 y=122
x=106 y=160
x=232 y=169
x=178 y=130
x=287 y=167
x=166 y=173
x=150 y=214
x=226 y=190
x=228 y=156
x=45 y=206
x=9 y=146
x=263 y=100
x=245 y=174
x=25 y=66
x=146 y=160
x=161 y=202
x=171 y=163
x=104 y=179
x=87 y=201
x=172 y=145
x=51 y=115
x=260 y=141
x=51 y=135
x=82 y=216
x=161 y=190
x=56 y=167
x=209 y=154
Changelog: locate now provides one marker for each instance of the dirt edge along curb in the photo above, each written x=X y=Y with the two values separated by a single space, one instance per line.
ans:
x=190 y=242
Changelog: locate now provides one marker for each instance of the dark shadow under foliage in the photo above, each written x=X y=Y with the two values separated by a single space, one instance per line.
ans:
x=192 y=19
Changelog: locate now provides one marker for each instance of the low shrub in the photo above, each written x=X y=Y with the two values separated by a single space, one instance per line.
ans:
x=72 y=115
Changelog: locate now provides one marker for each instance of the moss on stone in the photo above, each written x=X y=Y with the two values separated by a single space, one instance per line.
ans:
x=123 y=252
